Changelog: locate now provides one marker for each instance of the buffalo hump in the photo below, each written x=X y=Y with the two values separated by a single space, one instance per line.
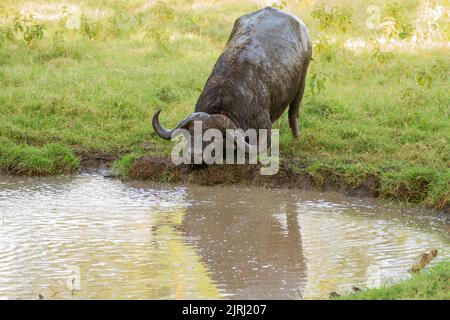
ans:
x=260 y=70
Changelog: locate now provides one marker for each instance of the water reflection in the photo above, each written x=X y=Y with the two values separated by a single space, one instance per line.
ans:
x=89 y=237
x=289 y=244
x=250 y=240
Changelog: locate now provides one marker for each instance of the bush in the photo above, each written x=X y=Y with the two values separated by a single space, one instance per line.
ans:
x=339 y=18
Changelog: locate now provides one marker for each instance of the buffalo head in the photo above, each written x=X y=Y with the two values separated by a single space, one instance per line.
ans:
x=208 y=121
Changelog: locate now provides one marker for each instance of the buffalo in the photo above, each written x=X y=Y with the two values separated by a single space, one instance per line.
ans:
x=261 y=71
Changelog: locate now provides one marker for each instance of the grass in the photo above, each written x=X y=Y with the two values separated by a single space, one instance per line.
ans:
x=431 y=284
x=85 y=78
x=122 y=166
x=51 y=158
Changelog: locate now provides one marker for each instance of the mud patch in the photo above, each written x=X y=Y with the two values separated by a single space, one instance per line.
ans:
x=292 y=175
x=155 y=168
x=97 y=162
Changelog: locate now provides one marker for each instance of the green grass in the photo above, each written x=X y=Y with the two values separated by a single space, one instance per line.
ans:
x=94 y=89
x=432 y=283
x=23 y=159
x=122 y=166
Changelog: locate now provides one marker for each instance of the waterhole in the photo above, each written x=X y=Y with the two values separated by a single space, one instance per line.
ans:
x=89 y=237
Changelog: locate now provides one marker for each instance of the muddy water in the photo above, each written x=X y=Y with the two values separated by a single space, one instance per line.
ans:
x=90 y=237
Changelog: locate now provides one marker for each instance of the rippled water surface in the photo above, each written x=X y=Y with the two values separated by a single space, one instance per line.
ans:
x=90 y=237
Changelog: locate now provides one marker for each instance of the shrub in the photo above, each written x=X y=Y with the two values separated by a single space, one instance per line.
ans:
x=336 y=17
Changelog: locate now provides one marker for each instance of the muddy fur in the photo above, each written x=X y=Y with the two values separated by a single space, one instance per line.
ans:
x=260 y=73
x=261 y=70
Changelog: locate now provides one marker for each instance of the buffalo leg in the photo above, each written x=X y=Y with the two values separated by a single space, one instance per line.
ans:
x=293 y=110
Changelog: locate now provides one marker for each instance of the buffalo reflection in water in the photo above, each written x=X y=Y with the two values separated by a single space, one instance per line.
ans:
x=251 y=242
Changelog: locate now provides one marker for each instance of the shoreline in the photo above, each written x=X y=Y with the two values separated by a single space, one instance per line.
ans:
x=292 y=174
x=428 y=284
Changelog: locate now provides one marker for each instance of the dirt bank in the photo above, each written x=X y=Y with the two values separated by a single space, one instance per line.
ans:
x=347 y=178
x=97 y=162
x=290 y=175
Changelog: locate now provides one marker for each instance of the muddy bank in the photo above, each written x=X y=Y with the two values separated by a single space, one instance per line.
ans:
x=97 y=162
x=290 y=175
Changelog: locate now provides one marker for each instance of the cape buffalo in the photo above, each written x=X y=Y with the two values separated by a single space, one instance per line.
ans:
x=261 y=71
